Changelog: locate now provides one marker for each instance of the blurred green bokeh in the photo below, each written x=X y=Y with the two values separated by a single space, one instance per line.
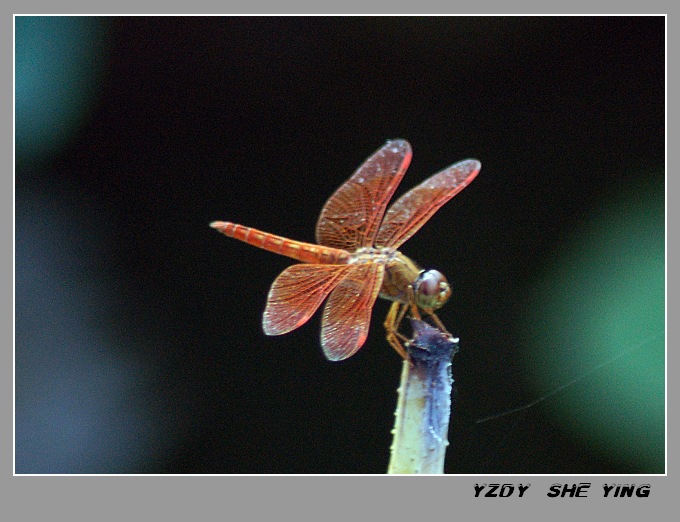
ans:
x=58 y=64
x=603 y=296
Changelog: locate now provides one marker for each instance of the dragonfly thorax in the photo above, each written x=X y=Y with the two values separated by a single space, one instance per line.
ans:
x=374 y=254
x=405 y=281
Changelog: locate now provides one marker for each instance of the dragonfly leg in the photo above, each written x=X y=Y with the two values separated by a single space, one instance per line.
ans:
x=411 y=299
x=437 y=321
x=394 y=318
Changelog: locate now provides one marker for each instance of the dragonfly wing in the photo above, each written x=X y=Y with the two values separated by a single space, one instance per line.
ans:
x=297 y=293
x=351 y=217
x=413 y=209
x=347 y=313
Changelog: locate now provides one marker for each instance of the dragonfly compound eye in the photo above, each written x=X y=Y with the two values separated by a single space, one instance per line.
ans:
x=432 y=289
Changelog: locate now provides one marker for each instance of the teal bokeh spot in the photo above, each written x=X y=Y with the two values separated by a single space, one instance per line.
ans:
x=58 y=66
x=602 y=298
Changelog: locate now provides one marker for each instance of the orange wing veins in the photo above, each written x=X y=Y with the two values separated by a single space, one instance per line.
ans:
x=297 y=293
x=412 y=210
x=347 y=313
x=352 y=215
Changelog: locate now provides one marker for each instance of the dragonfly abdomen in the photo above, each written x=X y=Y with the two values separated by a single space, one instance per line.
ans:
x=299 y=250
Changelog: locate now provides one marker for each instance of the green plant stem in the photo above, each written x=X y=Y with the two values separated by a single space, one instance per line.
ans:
x=424 y=403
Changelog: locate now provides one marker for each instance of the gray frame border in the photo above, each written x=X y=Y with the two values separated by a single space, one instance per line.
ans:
x=88 y=497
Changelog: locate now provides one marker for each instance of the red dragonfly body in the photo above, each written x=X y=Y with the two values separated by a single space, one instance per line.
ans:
x=356 y=258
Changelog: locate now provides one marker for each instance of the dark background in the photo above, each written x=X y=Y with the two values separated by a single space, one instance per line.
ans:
x=139 y=346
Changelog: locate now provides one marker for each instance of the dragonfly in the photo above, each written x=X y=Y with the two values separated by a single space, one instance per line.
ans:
x=356 y=258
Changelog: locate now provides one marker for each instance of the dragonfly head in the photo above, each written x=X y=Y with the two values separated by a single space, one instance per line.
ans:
x=431 y=289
